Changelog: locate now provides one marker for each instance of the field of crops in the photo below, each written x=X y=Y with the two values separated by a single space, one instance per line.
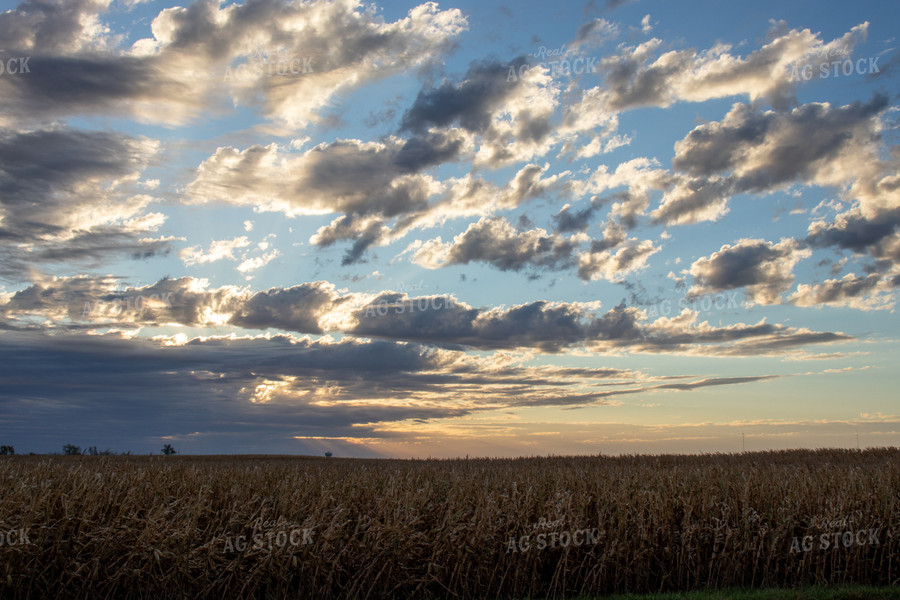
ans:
x=214 y=527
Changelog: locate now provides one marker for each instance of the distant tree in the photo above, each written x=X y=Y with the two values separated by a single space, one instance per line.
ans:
x=7 y=450
x=328 y=454
x=168 y=450
x=71 y=450
x=92 y=451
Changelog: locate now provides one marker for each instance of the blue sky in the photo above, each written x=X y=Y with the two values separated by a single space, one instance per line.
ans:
x=404 y=229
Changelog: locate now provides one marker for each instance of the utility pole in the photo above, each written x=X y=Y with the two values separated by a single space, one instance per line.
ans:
x=743 y=443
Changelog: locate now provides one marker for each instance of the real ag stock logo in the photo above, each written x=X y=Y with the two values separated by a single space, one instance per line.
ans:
x=842 y=66
x=270 y=535
x=263 y=63
x=551 y=539
x=555 y=63
x=846 y=536
x=122 y=304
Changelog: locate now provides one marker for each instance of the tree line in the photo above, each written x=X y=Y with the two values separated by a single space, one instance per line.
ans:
x=73 y=450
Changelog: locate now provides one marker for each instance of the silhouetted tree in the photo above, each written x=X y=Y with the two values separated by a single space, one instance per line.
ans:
x=168 y=450
x=71 y=450
x=92 y=451
x=7 y=450
x=328 y=454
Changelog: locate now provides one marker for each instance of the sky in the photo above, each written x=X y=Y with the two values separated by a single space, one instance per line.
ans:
x=447 y=229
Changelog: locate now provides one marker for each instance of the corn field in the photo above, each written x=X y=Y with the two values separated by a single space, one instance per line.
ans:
x=274 y=527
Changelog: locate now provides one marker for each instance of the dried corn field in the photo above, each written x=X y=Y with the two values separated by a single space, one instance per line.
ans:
x=213 y=527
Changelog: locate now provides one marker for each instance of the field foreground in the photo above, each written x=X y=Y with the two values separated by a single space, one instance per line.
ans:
x=256 y=526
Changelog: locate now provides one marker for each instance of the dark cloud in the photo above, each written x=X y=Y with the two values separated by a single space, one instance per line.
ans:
x=713 y=382
x=422 y=152
x=631 y=84
x=607 y=5
x=317 y=307
x=888 y=68
x=364 y=232
x=54 y=26
x=133 y=393
x=567 y=220
x=186 y=69
x=770 y=140
x=496 y=242
x=442 y=320
x=61 y=200
x=765 y=269
x=757 y=152
x=94 y=84
x=590 y=29
x=854 y=231
x=37 y=166
x=297 y=308
x=470 y=103
x=863 y=292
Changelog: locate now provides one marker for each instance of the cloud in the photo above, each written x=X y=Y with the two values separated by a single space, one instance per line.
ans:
x=218 y=250
x=496 y=242
x=637 y=77
x=70 y=196
x=506 y=108
x=567 y=221
x=764 y=269
x=757 y=152
x=470 y=103
x=760 y=149
x=713 y=382
x=644 y=75
x=594 y=31
x=870 y=292
x=252 y=264
x=545 y=326
x=84 y=302
x=640 y=177
x=55 y=27
x=265 y=387
x=349 y=176
x=183 y=71
x=854 y=230
x=602 y=263
x=380 y=189
x=298 y=308
x=684 y=334
x=145 y=391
